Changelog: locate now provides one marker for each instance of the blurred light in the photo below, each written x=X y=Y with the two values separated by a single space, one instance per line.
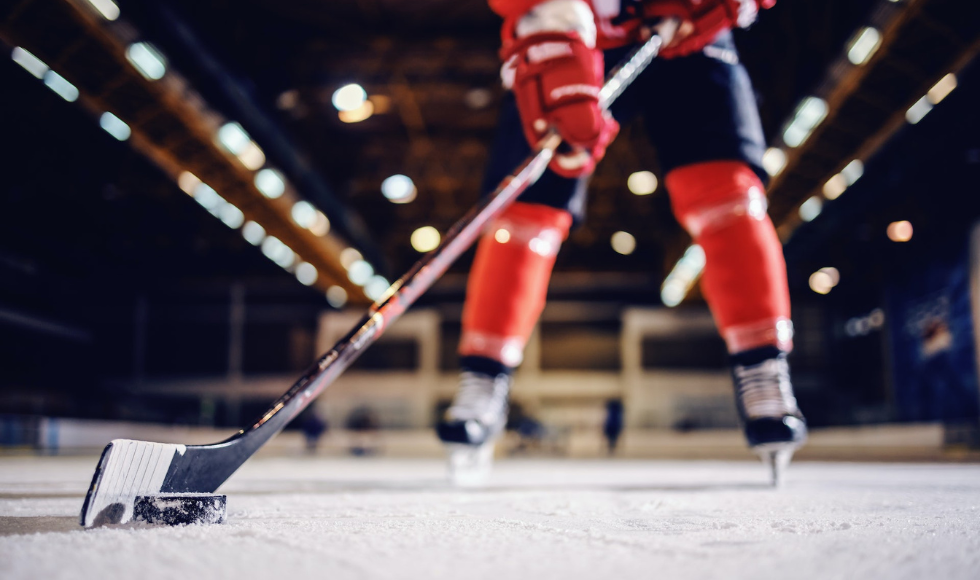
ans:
x=115 y=126
x=357 y=115
x=187 y=182
x=685 y=273
x=147 y=60
x=31 y=63
x=811 y=112
x=349 y=97
x=253 y=233
x=348 y=256
x=376 y=287
x=278 y=252
x=252 y=157
x=207 y=197
x=306 y=273
x=382 y=103
x=623 y=243
x=864 y=325
x=336 y=296
x=398 y=189
x=107 y=8
x=231 y=216
x=321 y=225
x=304 y=214
x=835 y=186
x=270 y=183
x=425 y=239
x=864 y=45
x=900 y=231
x=502 y=236
x=58 y=84
x=811 y=208
x=642 y=183
x=919 y=110
x=234 y=138
x=360 y=272
x=942 y=89
x=478 y=98
x=824 y=280
x=853 y=171
x=774 y=161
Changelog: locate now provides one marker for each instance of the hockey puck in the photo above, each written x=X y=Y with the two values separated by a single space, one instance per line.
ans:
x=175 y=509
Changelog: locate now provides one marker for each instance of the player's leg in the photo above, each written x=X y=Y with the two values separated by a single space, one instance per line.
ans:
x=505 y=295
x=711 y=145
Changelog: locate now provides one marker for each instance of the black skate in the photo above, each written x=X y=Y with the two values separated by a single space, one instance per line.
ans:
x=774 y=426
x=473 y=424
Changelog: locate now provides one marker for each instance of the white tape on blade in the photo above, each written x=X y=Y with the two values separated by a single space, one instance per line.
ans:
x=131 y=468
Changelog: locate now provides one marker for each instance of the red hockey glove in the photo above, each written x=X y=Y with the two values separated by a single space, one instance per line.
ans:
x=701 y=20
x=556 y=81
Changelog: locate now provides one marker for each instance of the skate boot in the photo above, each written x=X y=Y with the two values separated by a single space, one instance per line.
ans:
x=774 y=426
x=473 y=424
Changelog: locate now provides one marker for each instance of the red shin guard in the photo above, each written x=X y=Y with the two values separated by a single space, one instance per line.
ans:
x=508 y=283
x=722 y=205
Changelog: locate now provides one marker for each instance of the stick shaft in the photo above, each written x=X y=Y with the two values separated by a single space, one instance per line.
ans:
x=406 y=290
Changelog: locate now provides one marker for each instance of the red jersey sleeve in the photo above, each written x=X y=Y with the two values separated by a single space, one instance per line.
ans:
x=512 y=8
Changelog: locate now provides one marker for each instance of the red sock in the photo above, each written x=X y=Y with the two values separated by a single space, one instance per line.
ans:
x=508 y=283
x=722 y=205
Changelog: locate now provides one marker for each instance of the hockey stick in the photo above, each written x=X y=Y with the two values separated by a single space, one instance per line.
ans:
x=128 y=468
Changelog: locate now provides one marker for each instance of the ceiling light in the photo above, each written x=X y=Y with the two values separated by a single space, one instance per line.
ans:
x=306 y=273
x=349 y=97
x=321 y=225
x=360 y=272
x=425 y=239
x=234 y=138
x=642 y=183
x=376 y=287
x=502 y=235
x=231 y=216
x=853 y=171
x=865 y=44
x=810 y=113
x=304 y=214
x=824 y=280
x=336 y=296
x=357 y=115
x=835 y=186
x=58 y=84
x=147 y=60
x=270 y=183
x=919 y=110
x=348 y=256
x=107 y=8
x=187 y=182
x=278 y=252
x=683 y=276
x=253 y=233
x=623 y=243
x=942 y=89
x=252 y=157
x=207 y=197
x=900 y=231
x=398 y=189
x=114 y=126
x=31 y=63
x=811 y=208
x=774 y=161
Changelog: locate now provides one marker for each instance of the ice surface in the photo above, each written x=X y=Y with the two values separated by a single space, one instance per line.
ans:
x=382 y=518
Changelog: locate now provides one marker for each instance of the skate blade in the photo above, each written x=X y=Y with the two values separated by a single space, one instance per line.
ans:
x=470 y=465
x=776 y=456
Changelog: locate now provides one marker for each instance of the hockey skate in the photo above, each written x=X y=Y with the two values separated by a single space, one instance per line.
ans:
x=473 y=424
x=774 y=426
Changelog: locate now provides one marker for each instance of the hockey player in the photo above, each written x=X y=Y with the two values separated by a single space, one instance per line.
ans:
x=701 y=114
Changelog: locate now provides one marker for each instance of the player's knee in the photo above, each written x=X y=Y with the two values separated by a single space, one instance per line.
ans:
x=709 y=197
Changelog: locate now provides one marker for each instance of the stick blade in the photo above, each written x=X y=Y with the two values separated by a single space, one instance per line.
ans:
x=127 y=469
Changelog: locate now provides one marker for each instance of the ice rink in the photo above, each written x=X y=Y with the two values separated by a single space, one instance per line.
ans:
x=386 y=518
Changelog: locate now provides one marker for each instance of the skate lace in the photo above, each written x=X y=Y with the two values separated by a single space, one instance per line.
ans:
x=480 y=397
x=765 y=389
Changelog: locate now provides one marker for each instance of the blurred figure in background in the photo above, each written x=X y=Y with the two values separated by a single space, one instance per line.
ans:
x=613 y=426
x=701 y=115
